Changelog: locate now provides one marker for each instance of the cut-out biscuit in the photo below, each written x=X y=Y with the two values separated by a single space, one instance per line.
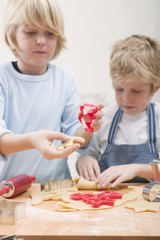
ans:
x=71 y=142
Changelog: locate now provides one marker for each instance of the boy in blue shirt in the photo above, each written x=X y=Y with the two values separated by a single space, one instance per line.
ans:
x=38 y=100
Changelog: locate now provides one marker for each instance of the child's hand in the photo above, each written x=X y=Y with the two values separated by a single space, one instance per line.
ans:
x=117 y=175
x=44 y=142
x=88 y=168
x=97 y=122
x=90 y=116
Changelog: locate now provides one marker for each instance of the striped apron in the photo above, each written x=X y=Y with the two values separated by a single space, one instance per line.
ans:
x=125 y=154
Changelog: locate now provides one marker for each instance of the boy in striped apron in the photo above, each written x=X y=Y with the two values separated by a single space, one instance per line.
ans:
x=129 y=138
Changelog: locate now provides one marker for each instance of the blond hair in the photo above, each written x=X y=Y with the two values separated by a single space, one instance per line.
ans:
x=136 y=56
x=44 y=14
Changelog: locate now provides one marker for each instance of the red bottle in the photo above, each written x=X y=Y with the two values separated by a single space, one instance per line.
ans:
x=16 y=185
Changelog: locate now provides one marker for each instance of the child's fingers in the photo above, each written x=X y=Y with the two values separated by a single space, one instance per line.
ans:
x=68 y=150
x=100 y=106
x=84 y=172
x=51 y=153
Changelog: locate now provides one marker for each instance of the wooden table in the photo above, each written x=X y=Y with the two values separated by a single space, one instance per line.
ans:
x=119 y=223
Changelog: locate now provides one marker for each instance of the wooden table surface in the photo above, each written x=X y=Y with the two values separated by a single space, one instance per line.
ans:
x=42 y=222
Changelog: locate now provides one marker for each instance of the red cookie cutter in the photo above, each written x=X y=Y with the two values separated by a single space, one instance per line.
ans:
x=86 y=116
x=106 y=197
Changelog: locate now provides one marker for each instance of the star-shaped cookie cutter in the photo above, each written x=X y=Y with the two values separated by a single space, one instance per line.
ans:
x=87 y=115
x=11 y=211
x=148 y=191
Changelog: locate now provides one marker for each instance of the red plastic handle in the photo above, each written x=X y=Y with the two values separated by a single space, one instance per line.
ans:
x=4 y=190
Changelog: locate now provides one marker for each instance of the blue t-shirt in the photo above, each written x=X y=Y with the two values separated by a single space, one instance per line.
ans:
x=31 y=103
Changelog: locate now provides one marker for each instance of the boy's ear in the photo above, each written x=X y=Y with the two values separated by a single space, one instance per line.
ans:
x=156 y=89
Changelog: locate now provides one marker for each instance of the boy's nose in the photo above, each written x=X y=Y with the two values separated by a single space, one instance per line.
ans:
x=40 y=40
x=126 y=96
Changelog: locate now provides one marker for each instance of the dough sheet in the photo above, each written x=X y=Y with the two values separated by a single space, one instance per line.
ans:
x=132 y=199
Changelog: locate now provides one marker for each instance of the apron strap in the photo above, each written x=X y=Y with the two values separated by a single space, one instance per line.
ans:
x=151 y=129
x=113 y=129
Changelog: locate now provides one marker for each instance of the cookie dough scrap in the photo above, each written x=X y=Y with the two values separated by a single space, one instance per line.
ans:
x=68 y=205
x=71 y=142
x=39 y=196
x=144 y=206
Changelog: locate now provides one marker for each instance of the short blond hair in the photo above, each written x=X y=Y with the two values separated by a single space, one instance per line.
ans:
x=136 y=56
x=44 y=14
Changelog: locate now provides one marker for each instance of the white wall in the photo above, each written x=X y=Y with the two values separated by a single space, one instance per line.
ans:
x=91 y=27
